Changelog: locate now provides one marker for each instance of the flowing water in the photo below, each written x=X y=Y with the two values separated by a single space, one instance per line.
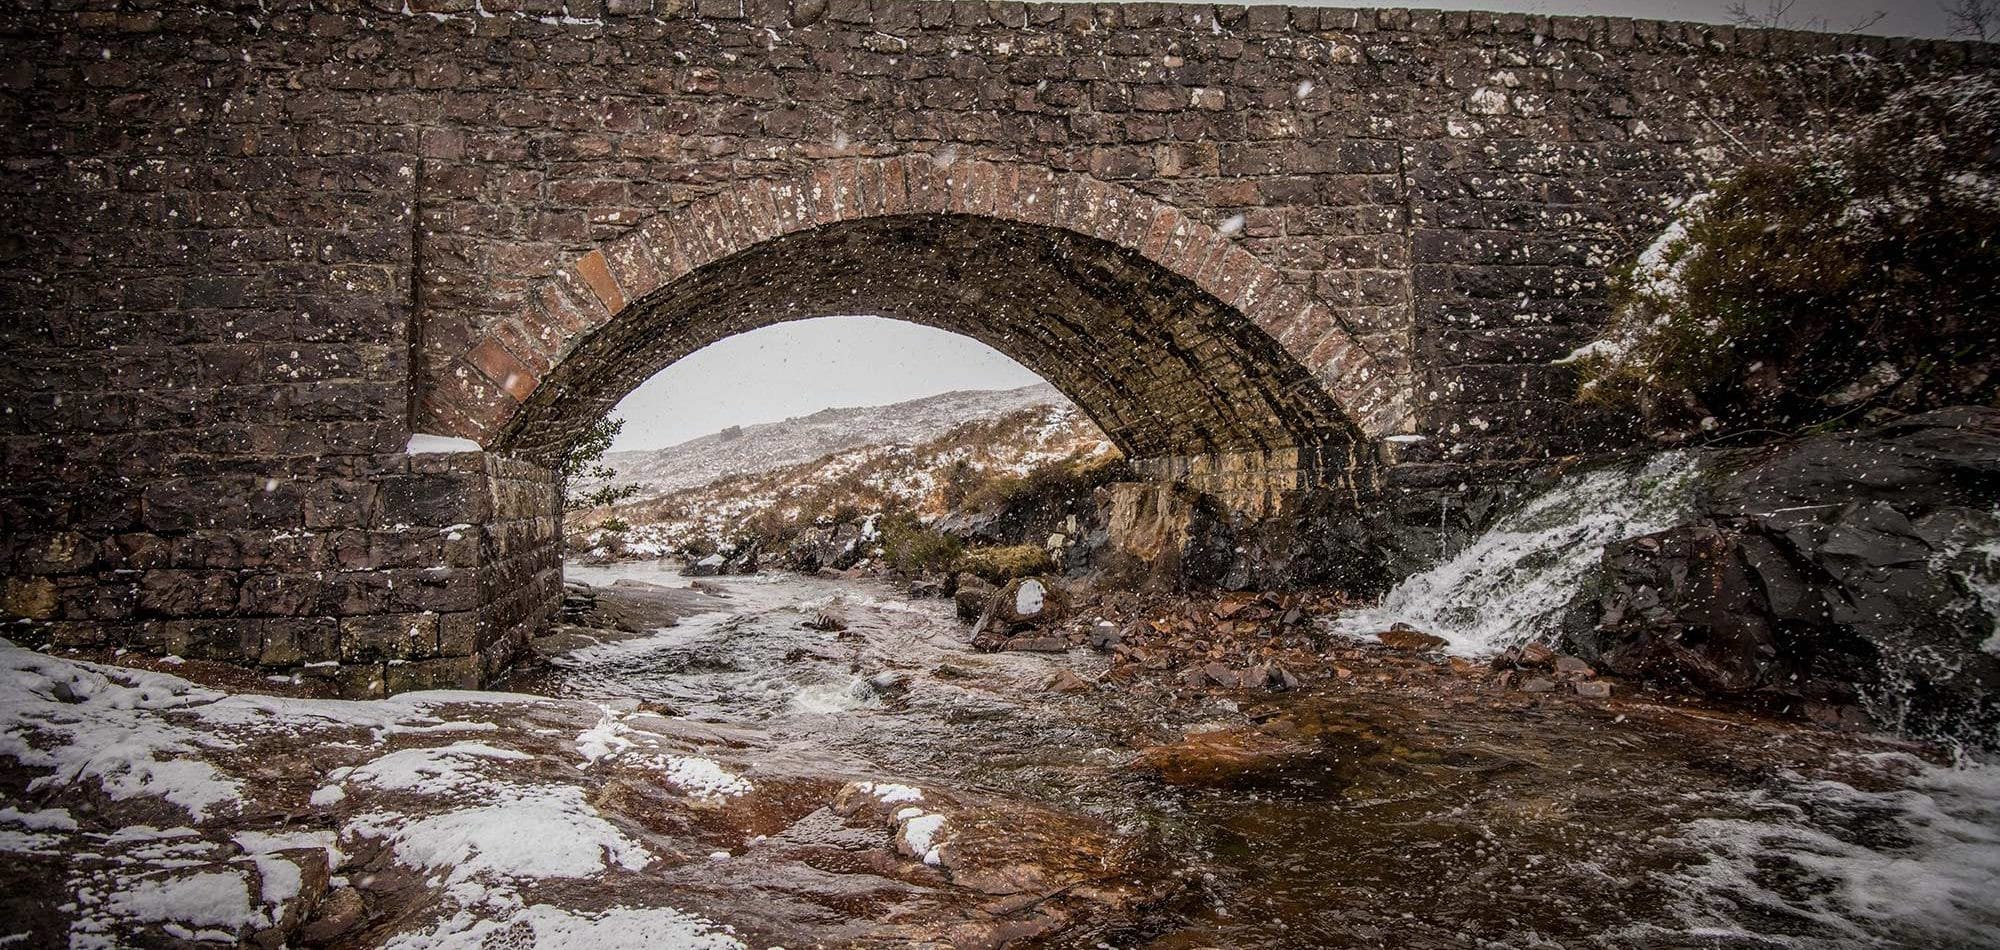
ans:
x=1423 y=817
x=1510 y=584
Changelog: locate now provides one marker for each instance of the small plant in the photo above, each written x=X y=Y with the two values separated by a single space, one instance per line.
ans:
x=912 y=547
x=1812 y=288
x=581 y=475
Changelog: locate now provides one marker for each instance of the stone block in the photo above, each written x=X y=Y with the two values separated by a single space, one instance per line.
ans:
x=385 y=637
x=297 y=641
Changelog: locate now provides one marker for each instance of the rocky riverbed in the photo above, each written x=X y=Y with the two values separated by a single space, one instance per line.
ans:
x=787 y=761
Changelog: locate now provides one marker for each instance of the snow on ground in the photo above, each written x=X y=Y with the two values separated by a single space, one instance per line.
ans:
x=894 y=474
x=175 y=811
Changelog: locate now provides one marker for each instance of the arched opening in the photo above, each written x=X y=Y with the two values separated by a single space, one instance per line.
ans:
x=1166 y=369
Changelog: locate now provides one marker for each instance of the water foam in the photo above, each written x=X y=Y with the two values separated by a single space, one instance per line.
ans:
x=1827 y=863
x=1509 y=585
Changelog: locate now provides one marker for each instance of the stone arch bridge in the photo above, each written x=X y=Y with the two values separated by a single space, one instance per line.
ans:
x=251 y=248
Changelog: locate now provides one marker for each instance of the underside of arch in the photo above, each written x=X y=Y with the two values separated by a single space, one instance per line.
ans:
x=709 y=264
x=1165 y=368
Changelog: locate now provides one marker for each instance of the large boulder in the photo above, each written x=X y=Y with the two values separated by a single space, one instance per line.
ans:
x=1173 y=536
x=831 y=547
x=1853 y=570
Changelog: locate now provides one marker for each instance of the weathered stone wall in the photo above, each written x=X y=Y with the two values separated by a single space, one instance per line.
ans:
x=252 y=246
x=397 y=571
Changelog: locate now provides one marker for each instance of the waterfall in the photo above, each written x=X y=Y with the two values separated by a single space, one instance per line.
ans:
x=1510 y=585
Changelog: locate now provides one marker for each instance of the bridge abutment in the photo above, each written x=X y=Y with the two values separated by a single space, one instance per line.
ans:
x=369 y=574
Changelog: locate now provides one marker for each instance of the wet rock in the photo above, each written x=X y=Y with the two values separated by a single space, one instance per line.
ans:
x=1036 y=644
x=1403 y=637
x=974 y=594
x=826 y=621
x=1066 y=681
x=704 y=567
x=827 y=547
x=889 y=682
x=1538 y=684
x=1833 y=567
x=744 y=560
x=339 y=913
x=1569 y=666
x=1592 y=689
x=633 y=606
x=1526 y=656
x=1222 y=756
x=1104 y=635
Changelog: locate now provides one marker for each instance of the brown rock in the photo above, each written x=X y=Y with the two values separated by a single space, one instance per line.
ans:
x=1592 y=689
x=1538 y=684
x=1037 y=644
x=1222 y=756
x=339 y=913
x=1066 y=681
x=1406 y=638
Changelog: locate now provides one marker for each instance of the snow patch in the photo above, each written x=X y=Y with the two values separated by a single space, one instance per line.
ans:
x=533 y=833
x=423 y=443
x=542 y=927
x=703 y=778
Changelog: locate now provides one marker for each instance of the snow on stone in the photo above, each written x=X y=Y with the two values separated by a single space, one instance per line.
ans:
x=532 y=833
x=703 y=778
x=699 y=777
x=215 y=899
x=423 y=443
x=461 y=809
x=101 y=724
x=1029 y=598
x=921 y=833
x=431 y=770
x=506 y=922
x=48 y=819
x=890 y=793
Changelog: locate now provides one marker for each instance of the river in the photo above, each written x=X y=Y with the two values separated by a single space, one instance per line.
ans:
x=1416 y=818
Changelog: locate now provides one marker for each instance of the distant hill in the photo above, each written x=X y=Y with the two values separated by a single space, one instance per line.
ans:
x=748 y=450
x=924 y=456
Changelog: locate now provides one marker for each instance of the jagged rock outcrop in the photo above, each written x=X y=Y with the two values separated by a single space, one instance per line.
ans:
x=1846 y=570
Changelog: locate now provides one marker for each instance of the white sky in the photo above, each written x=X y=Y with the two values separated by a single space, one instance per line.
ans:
x=794 y=369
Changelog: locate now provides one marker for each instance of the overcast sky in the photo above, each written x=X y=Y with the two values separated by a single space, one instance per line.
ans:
x=794 y=369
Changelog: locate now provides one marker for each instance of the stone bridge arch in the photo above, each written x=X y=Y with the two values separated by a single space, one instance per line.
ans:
x=1187 y=349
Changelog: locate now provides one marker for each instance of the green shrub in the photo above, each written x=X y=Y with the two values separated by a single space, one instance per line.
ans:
x=910 y=546
x=1003 y=564
x=1849 y=276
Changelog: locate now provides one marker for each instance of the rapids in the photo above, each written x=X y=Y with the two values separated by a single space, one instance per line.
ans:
x=1418 y=819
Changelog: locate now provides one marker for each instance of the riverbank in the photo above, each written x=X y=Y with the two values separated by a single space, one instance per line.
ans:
x=743 y=778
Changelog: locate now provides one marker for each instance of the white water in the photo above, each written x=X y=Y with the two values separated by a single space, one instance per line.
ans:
x=1510 y=584
x=1912 y=859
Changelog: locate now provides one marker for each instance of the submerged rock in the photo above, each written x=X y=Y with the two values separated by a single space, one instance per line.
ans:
x=1226 y=755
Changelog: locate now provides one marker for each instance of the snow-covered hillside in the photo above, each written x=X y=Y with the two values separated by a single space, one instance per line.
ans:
x=762 y=448
x=928 y=477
